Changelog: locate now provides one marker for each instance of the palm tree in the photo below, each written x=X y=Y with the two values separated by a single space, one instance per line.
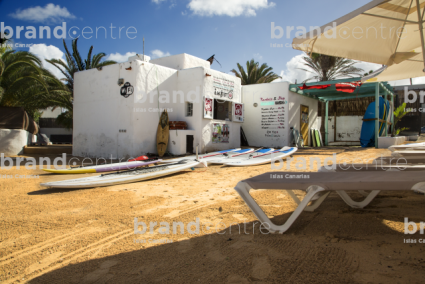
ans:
x=329 y=68
x=23 y=81
x=74 y=63
x=255 y=74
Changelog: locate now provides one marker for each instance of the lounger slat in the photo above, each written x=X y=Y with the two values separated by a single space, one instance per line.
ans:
x=338 y=180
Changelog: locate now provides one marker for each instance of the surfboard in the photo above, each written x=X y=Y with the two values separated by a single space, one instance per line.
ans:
x=228 y=158
x=102 y=168
x=316 y=136
x=162 y=134
x=412 y=146
x=263 y=158
x=312 y=138
x=125 y=177
x=202 y=156
x=320 y=137
x=367 y=135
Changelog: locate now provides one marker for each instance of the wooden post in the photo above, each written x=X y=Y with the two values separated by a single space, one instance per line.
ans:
x=376 y=114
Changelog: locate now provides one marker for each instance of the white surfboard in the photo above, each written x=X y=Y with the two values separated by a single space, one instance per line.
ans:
x=103 y=168
x=264 y=158
x=227 y=158
x=126 y=176
x=412 y=146
x=202 y=156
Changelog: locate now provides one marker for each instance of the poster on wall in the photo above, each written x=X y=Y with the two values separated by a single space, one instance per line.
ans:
x=220 y=133
x=237 y=112
x=223 y=88
x=208 y=108
x=273 y=116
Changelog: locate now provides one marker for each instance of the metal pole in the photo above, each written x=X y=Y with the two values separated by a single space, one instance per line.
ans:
x=326 y=123
x=392 y=115
x=376 y=114
x=386 y=118
x=421 y=30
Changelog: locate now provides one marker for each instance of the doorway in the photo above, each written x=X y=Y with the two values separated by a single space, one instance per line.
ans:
x=304 y=120
x=189 y=144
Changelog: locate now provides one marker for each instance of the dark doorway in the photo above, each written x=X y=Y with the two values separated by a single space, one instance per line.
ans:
x=189 y=144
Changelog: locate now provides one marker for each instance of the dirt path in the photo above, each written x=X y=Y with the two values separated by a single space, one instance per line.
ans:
x=87 y=236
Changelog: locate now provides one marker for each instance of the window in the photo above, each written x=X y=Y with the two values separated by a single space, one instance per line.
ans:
x=222 y=110
x=189 y=109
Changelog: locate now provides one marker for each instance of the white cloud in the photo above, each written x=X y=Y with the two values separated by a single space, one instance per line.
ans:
x=232 y=8
x=292 y=72
x=50 y=14
x=158 y=53
x=43 y=52
x=118 y=57
x=258 y=56
x=158 y=1
x=184 y=13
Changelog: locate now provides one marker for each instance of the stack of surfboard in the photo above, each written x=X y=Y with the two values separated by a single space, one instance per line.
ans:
x=128 y=176
x=242 y=157
x=131 y=172
x=316 y=138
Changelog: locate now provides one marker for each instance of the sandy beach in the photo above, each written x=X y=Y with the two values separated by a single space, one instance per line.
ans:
x=87 y=236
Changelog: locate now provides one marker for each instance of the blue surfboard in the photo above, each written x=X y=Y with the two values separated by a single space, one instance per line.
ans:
x=367 y=135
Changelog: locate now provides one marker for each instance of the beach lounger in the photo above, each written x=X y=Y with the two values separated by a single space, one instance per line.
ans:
x=325 y=183
x=372 y=167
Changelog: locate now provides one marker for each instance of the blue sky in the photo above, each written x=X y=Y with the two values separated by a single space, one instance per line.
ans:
x=233 y=30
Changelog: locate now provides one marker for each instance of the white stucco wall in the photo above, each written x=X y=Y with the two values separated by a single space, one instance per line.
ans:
x=12 y=141
x=50 y=113
x=348 y=128
x=177 y=141
x=273 y=99
x=192 y=80
x=100 y=112
x=181 y=61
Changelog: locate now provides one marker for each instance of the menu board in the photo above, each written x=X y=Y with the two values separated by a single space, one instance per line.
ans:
x=273 y=116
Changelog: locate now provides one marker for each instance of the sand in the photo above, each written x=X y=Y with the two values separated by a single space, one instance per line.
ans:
x=87 y=235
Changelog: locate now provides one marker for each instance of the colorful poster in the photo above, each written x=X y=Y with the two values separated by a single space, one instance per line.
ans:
x=208 y=108
x=216 y=134
x=238 y=112
x=220 y=133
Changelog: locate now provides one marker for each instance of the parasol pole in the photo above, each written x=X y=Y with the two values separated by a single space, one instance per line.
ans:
x=421 y=31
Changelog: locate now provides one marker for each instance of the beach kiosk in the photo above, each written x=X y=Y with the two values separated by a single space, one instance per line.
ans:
x=117 y=107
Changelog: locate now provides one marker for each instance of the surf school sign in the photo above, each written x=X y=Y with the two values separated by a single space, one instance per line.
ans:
x=223 y=87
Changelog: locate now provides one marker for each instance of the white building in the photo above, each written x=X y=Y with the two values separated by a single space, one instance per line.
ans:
x=270 y=112
x=117 y=108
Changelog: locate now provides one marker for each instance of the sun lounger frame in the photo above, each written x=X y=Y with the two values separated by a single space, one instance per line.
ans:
x=244 y=188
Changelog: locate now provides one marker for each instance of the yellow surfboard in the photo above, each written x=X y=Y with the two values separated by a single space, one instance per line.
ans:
x=70 y=171
x=162 y=134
